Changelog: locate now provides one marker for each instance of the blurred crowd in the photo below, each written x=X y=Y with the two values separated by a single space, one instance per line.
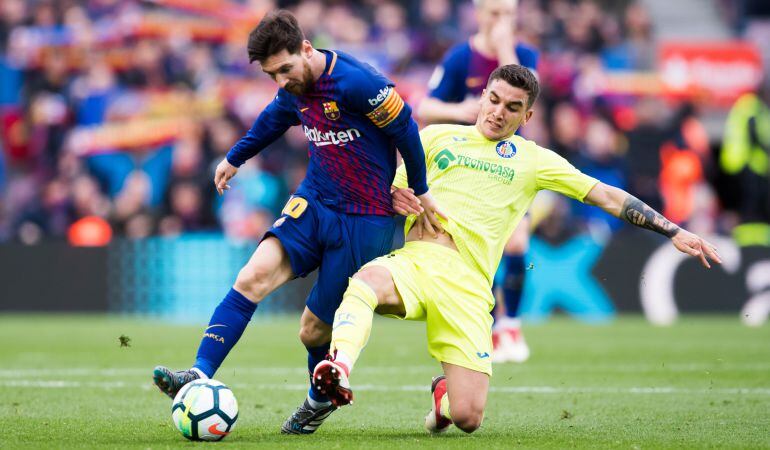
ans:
x=113 y=113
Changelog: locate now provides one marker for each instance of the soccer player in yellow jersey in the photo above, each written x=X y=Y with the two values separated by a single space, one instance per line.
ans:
x=485 y=177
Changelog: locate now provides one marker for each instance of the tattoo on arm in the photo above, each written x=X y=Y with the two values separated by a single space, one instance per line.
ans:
x=636 y=212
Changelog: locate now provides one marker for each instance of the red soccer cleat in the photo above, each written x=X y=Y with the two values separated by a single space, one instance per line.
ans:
x=434 y=421
x=331 y=379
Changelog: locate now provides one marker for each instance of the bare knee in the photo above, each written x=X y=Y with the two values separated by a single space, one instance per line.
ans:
x=467 y=419
x=381 y=282
x=253 y=282
x=315 y=334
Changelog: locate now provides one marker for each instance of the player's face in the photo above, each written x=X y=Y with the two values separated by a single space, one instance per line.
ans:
x=490 y=12
x=291 y=70
x=503 y=110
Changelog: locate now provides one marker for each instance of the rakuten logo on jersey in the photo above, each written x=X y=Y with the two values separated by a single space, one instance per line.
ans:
x=331 y=137
x=381 y=96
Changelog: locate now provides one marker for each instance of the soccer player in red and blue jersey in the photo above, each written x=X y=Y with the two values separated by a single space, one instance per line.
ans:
x=341 y=216
x=455 y=89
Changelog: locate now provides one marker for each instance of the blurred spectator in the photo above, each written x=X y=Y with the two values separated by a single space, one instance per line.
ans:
x=119 y=110
x=746 y=156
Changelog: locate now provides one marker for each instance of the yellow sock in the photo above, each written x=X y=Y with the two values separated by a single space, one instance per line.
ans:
x=353 y=322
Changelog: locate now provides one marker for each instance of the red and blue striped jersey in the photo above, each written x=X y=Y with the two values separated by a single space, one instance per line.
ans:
x=464 y=71
x=354 y=121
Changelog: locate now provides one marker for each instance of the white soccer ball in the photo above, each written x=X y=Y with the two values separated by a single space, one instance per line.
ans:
x=204 y=410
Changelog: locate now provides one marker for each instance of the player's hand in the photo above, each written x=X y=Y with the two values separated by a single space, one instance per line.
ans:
x=467 y=111
x=694 y=245
x=224 y=172
x=428 y=220
x=405 y=202
x=503 y=38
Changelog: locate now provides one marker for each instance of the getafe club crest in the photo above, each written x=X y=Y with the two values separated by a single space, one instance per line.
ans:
x=331 y=111
x=506 y=149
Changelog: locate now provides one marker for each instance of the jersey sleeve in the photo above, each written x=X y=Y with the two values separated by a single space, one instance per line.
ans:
x=528 y=57
x=374 y=96
x=557 y=174
x=274 y=120
x=427 y=136
x=448 y=80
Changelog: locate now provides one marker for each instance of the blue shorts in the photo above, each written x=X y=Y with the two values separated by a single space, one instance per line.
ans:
x=337 y=244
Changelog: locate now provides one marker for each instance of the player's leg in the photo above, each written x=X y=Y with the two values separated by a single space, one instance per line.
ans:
x=267 y=269
x=351 y=242
x=370 y=289
x=390 y=285
x=458 y=304
x=458 y=397
x=509 y=343
x=315 y=335
x=288 y=250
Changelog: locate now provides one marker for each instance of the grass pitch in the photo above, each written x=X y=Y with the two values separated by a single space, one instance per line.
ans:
x=66 y=381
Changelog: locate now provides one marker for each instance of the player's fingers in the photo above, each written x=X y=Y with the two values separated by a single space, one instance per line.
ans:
x=699 y=252
x=704 y=261
x=418 y=225
x=711 y=252
x=405 y=205
x=401 y=208
x=435 y=222
x=427 y=225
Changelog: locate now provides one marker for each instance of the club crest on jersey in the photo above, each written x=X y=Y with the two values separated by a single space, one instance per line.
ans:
x=331 y=111
x=506 y=149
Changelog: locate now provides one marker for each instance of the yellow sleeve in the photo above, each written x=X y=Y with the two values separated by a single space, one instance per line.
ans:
x=427 y=136
x=556 y=174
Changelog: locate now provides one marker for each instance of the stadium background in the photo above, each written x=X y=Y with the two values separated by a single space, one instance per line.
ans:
x=113 y=115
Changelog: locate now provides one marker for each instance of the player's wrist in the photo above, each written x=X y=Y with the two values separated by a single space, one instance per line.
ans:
x=233 y=161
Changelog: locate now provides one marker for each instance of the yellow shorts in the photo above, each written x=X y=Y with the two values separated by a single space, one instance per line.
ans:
x=438 y=287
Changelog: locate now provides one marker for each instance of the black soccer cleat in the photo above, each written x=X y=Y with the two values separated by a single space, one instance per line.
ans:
x=171 y=382
x=306 y=420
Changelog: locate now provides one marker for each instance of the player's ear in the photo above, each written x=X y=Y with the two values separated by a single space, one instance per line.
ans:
x=307 y=49
x=483 y=94
x=527 y=116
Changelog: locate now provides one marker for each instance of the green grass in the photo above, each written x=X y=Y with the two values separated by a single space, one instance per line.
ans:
x=704 y=383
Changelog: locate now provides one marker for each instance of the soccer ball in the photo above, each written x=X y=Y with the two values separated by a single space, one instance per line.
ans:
x=204 y=410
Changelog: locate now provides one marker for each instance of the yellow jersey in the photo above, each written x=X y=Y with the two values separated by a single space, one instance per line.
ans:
x=486 y=187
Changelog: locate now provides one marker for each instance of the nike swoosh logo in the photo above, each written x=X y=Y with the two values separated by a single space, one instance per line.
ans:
x=213 y=430
x=216 y=325
x=304 y=109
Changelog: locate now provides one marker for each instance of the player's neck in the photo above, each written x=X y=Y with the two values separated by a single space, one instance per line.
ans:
x=480 y=42
x=317 y=64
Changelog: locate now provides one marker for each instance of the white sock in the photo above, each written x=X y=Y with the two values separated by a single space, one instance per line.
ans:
x=316 y=404
x=344 y=359
x=202 y=375
x=508 y=323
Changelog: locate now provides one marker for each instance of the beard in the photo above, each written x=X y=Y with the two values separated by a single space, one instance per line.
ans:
x=303 y=86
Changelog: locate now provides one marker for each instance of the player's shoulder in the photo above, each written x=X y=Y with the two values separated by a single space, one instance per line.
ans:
x=526 y=147
x=350 y=71
x=459 y=52
x=448 y=130
x=528 y=55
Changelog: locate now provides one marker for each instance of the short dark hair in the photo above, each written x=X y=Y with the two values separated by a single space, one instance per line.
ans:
x=277 y=31
x=520 y=77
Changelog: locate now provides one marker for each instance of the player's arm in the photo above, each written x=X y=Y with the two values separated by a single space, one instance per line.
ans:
x=276 y=118
x=625 y=206
x=445 y=102
x=556 y=174
x=404 y=200
x=380 y=102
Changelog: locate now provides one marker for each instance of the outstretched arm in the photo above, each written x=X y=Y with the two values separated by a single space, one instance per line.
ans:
x=625 y=206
